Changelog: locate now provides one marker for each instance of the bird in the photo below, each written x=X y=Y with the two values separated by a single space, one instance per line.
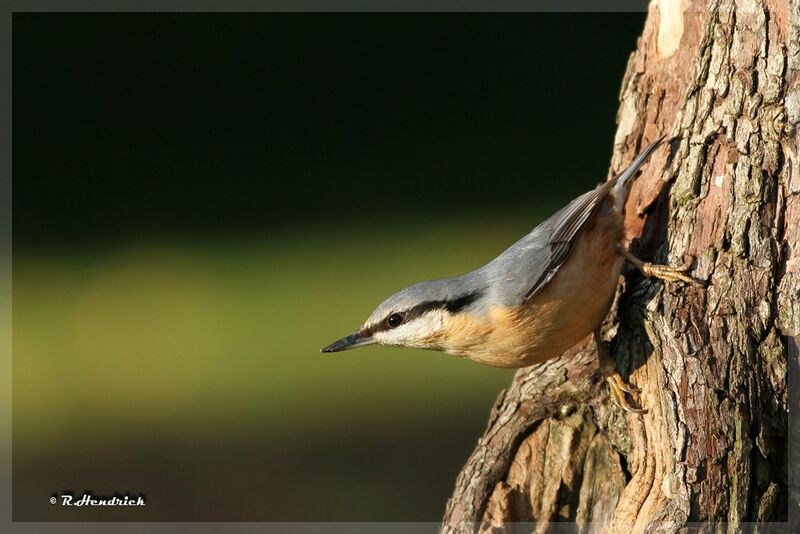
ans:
x=540 y=297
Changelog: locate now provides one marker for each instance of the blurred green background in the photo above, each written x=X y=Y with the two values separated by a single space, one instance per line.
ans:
x=202 y=201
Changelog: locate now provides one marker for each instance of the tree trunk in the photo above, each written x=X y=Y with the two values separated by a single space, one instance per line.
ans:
x=720 y=79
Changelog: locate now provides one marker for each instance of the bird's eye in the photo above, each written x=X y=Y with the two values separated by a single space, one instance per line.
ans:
x=394 y=320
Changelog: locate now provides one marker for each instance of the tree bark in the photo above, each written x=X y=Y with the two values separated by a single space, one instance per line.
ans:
x=720 y=79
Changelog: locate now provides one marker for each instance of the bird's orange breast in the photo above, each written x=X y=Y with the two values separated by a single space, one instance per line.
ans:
x=571 y=306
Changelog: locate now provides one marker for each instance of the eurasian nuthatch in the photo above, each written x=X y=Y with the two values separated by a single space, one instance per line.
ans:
x=540 y=297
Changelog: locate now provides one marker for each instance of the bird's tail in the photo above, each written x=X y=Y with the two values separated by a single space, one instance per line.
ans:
x=624 y=180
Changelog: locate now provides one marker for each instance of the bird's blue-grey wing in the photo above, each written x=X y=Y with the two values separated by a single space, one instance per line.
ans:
x=566 y=224
x=525 y=267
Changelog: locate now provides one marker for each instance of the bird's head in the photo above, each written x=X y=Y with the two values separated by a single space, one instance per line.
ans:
x=417 y=316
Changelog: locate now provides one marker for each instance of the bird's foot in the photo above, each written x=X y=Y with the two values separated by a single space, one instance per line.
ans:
x=669 y=273
x=662 y=272
x=618 y=388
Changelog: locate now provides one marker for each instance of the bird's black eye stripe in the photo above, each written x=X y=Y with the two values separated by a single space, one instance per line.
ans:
x=394 y=320
x=456 y=305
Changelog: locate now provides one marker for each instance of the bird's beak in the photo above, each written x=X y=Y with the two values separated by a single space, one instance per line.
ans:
x=350 y=342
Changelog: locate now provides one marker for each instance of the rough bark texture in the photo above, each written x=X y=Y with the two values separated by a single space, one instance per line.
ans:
x=720 y=79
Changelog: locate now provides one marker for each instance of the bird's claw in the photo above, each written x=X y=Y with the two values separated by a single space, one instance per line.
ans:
x=608 y=369
x=669 y=273
x=662 y=272
x=618 y=388
x=623 y=385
